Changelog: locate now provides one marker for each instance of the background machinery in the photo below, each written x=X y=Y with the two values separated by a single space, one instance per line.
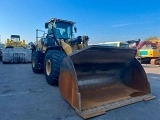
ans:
x=149 y=52
x=92 y=79
x=15 y=51
x=133 y=43
x=115 y=44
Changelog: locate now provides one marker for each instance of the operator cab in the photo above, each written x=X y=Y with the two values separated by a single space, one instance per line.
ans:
x=62 y=29
x=15 y=37
x=59 y=29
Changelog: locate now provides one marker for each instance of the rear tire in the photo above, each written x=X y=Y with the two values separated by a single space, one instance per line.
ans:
x=52 y=62
x=35 y=63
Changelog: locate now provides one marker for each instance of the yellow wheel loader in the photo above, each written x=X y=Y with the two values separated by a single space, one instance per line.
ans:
x=92 y=79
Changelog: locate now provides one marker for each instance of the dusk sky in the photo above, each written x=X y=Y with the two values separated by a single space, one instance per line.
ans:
x=101 y=20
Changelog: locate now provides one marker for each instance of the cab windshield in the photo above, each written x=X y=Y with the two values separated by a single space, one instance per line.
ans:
x=63 y=30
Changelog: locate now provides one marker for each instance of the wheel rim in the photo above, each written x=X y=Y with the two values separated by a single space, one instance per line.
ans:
x=48 y=67
x=33 y=63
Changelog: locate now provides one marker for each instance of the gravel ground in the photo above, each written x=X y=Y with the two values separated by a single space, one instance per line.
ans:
x=25 y=95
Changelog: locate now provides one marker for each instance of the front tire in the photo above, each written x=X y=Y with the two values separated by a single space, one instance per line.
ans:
x=53 y=60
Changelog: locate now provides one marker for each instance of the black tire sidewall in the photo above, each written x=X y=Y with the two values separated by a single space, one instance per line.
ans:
x=56 y=57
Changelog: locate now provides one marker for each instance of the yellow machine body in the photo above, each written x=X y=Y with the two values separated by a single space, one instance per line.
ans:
x=92 y=79
x=152 y=53
x=13 y=43
x=149 y=53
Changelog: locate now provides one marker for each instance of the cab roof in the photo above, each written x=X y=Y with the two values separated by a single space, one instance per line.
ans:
x=15 y=36
x=56 y=19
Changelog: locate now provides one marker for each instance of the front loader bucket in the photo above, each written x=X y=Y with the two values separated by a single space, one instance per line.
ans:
x=99 y=78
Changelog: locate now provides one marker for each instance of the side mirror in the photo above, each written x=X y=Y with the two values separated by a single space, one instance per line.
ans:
x=75 y=29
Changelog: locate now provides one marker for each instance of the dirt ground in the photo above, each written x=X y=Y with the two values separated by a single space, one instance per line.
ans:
x=25 y=95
